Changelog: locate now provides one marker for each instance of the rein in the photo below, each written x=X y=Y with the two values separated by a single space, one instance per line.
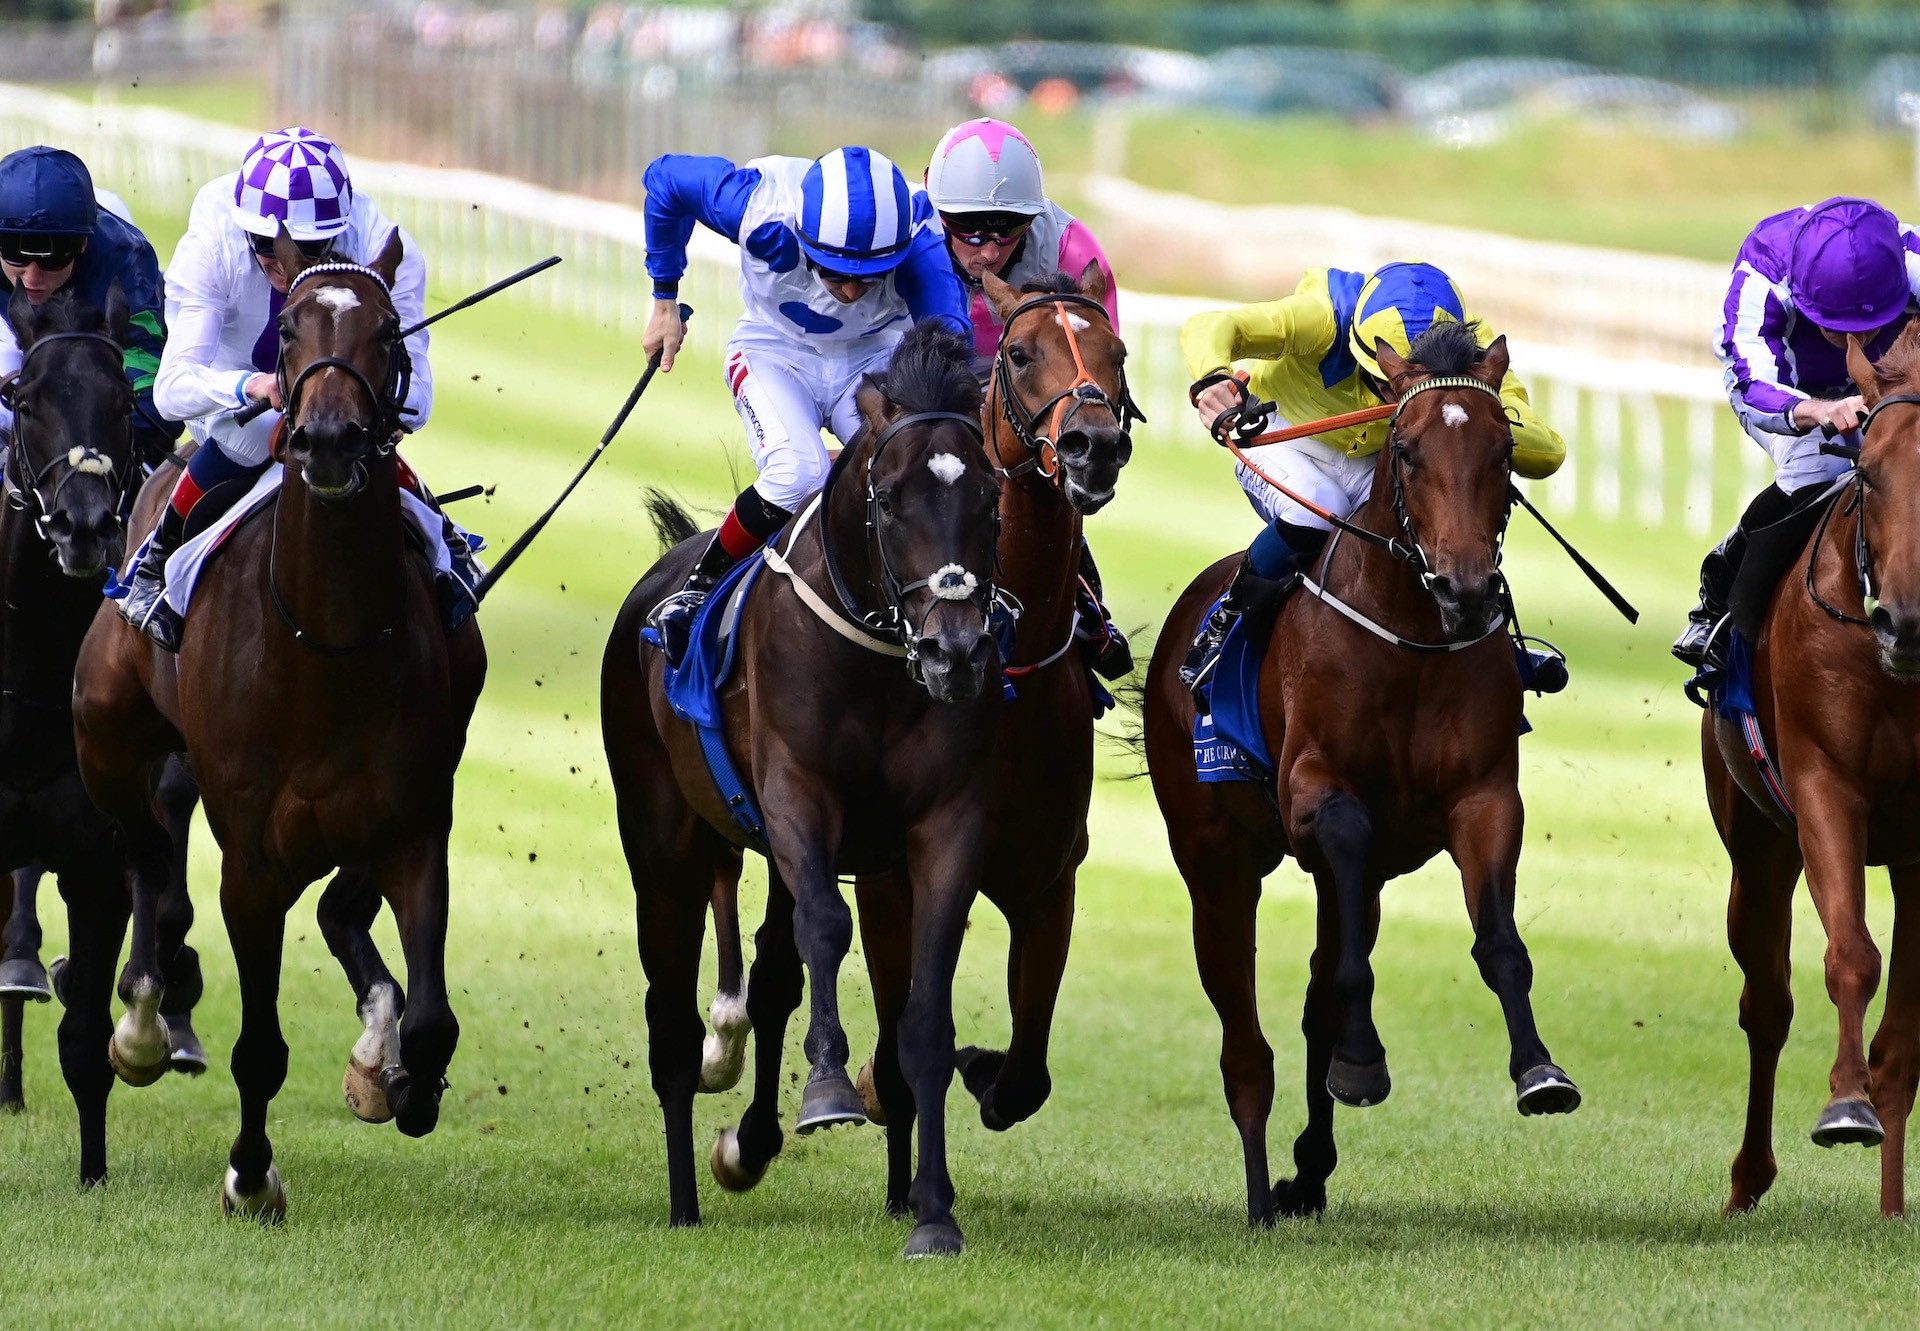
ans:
x=81 y=459
x=1059 y=410
x=1855 y=506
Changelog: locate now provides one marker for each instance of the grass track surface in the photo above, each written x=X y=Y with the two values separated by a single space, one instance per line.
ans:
x=541 y=1199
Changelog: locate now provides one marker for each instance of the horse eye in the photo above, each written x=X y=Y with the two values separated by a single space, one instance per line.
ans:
x=1018 y=355
x=883 y=499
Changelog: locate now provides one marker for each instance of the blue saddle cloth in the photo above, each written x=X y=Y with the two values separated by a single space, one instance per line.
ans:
x=1229 y=743
x=693 y=690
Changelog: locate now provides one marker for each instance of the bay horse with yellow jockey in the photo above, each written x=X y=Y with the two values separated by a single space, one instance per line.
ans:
x=1390 y=701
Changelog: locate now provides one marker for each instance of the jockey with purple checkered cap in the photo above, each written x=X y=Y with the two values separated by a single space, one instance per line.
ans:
x=838 y=257
x=225 y=291
x=1804 y=280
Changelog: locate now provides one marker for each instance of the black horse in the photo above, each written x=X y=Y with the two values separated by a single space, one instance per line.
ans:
x=70 y=473
x=861 y=719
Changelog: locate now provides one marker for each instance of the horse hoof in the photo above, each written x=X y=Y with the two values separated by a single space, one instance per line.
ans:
x=1546 y=1090
x=138 y=1050
x=267 y=1204
x=1297 y=1199
x=1358 y=1085
x=935 y=1240
x=723 y=1056
x=25 y=978
x=13 y=1105
x=184 y=1051
x=416 y=1109
x=1848 y=1123
x=366 y=1093
x=730 y=1170
x=979 y=1069
x=829 y=1101
x=57 y=978
x=870 y=1095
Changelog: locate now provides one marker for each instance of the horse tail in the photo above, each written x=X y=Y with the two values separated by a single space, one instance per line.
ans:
x=671 y=523
x=1130 y=737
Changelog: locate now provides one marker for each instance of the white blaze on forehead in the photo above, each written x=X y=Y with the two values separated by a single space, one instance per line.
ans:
x=337 y=299
x=947 y=467
x=1454 y=414
x=1079 y=325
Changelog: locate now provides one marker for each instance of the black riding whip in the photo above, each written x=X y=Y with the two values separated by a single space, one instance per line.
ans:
x=1594 y=575
x=515 y=550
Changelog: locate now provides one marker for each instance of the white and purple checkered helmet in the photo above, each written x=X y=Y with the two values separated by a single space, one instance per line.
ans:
x=296 y=177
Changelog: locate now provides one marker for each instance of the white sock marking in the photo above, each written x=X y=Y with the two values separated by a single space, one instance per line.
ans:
x=1454 y=414
x=379 y=1045
x=947 y=467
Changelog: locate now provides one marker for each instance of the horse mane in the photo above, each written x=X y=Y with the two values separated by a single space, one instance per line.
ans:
x=671 y=523
x=1902 y=359
x=1448 y=347
x=1058 y=284
x=931 y=370
x=65 y=311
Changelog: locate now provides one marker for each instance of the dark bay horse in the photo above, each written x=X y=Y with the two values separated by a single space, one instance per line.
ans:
x=1386 y=757
x=861 y=718
x=69 y=474
x=1836 y=686
x=324 y=709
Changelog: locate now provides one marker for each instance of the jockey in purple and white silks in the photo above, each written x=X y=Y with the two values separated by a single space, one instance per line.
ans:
x=225 y=291
x=838 y=258
x=986 y=184
x=1804 y=279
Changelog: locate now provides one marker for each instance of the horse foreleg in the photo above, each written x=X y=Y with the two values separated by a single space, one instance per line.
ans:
x=345 y=914
x=1833 y=836
x=1336 y=825
x=724 y=1055
x=12 y=1009
x=1012 y=1087
x=255 y=914
x=179 y=963
x=1896 y=1045
x=1483 y=834
x=741 y=1154
x=1766 y=865
x=96 y=926
x=139 y=1048
x=886 y=933
x=943 y=865
x=21 y=975
x=414 y=882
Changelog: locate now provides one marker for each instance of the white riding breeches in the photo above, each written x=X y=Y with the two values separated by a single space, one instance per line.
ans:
x=1326 y=476
x=1797 y=458
x=785 y=403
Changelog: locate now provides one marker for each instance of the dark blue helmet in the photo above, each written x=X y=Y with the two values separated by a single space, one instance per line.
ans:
x=46 y=192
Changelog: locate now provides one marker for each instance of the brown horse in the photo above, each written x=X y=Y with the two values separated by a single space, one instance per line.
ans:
x=73 y=461
x=1834 y=673
x=858 y=764
x=324 y=709
x=1387 y=755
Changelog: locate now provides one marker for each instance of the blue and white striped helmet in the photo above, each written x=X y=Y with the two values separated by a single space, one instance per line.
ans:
x=856 y=214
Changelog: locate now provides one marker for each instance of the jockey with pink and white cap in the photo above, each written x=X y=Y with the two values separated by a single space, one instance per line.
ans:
x=224 y=293
x=985 y=182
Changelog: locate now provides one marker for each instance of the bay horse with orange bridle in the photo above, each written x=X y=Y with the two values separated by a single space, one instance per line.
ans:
x=324 y=708
x=1836 y=689
x=1388 y=753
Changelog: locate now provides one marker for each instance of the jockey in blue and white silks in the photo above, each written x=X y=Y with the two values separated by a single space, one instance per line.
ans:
x=225 y=291
x=838 y=258
x=1803 y=281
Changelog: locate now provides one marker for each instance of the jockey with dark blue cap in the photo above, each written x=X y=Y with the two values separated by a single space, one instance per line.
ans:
x=54 y=236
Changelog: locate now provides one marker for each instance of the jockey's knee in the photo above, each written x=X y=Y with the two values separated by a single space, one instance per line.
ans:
x=790 y=476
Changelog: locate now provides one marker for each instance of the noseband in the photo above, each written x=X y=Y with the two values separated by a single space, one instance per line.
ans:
x=951 y=582
x=80 y=459
x=1059 y=410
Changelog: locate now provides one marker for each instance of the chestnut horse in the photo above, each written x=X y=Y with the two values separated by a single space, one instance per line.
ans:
x=1835 y=670
x=324 y=708
x=860 y=716
x=1388 y=754
x=69 y=476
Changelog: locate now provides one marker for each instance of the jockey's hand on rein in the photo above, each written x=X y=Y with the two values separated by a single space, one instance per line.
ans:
x=265 y=388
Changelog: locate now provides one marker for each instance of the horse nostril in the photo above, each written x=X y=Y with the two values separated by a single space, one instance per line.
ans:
x=980 y=655
x=1441 y=586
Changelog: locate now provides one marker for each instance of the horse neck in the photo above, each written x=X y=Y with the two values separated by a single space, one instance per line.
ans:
x=44 y=614
x=843 y=512
x=1039 y=550
x=338 y=566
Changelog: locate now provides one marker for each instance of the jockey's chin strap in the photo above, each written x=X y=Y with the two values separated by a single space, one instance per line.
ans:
x=82 y=459
x=1059 y=410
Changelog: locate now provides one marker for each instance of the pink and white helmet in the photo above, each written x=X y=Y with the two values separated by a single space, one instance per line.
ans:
x=296 y=177
x=986 y=166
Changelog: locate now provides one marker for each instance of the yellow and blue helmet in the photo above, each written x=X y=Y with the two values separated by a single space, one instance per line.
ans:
x=1397 y=304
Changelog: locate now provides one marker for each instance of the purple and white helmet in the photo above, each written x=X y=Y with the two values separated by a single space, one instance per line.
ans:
x=296 y=177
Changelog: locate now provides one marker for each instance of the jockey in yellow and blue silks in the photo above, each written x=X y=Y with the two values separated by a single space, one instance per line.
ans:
x=1311 y=355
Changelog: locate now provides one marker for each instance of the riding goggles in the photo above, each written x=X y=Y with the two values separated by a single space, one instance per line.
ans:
x=48 y=253
x=977 y=231
x=314 y=250
x=830 y=275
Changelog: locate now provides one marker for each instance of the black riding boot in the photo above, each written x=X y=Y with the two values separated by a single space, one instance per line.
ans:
x=1722 y=565
x=673 y=618
x=1101 y=642
x=145 y=605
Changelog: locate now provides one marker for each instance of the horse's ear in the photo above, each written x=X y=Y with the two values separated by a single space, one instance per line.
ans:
x=1093 y=282
x=287 y=254
x=1000 y=295
x=1863 y=371
x=20 y=316
x=1393 y=366
x=876 y=408
x=388 y=264
x=1491 y=368
x=115 y=313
